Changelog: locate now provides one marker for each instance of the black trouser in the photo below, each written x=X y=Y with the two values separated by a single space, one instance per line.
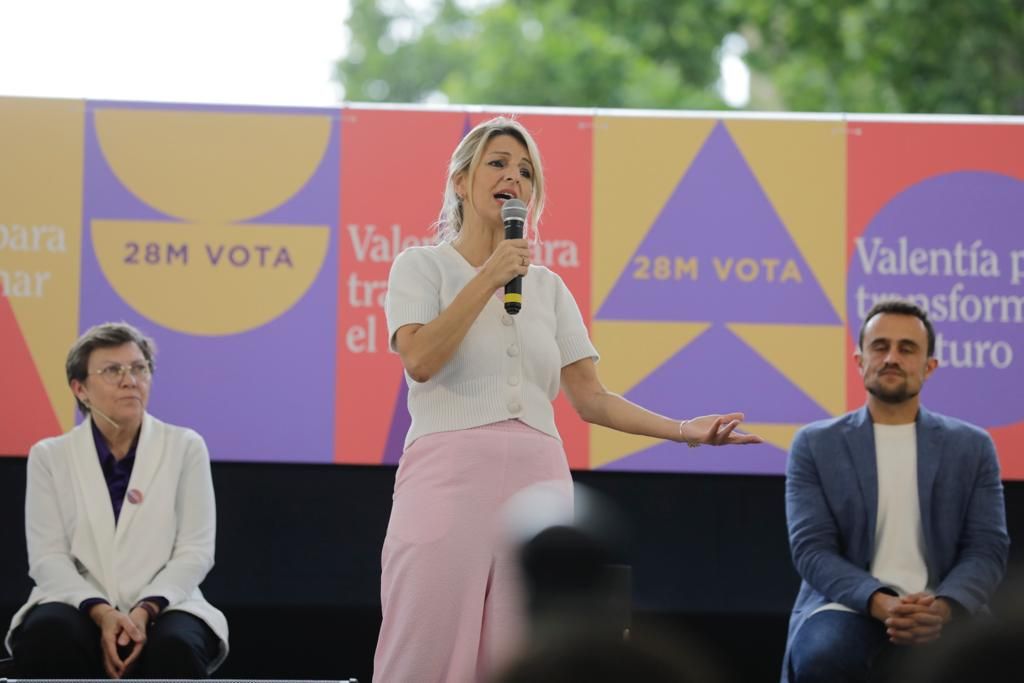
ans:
x=58 y=641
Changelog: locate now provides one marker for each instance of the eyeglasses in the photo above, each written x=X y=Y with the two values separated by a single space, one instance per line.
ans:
x=114 y=374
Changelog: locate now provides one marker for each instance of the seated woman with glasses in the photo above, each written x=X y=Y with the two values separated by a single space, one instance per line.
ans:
x=120 y=524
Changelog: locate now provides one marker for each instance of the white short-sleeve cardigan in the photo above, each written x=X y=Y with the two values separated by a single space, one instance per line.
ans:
x=507 y=367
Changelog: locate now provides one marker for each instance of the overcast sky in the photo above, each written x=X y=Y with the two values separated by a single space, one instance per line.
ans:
x=271 y=52
x=264 y=52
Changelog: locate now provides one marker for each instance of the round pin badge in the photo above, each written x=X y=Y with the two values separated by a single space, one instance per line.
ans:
x=134 y=496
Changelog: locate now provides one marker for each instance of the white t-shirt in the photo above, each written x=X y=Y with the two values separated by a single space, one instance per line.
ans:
x=507 y=367
x=898 y=560
x=899 y=540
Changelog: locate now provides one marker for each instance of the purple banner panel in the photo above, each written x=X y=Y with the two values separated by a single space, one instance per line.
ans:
x=263 y=391
x=762 y=458
x=954 y=245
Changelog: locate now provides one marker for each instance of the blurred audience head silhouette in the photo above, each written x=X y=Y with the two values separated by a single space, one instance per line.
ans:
x=578 y=599
x=600 y=659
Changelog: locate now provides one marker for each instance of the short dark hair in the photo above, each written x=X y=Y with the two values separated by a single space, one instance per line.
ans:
x=899 y=307
x=102 y=336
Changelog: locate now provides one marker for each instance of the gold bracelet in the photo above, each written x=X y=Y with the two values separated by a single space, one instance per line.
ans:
x=689 y=442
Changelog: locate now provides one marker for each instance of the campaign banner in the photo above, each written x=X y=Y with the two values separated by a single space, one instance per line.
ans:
x=721 y=263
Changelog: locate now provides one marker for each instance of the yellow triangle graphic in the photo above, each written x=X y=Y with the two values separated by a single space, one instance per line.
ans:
x=779 y=435
x=629 y=352
x=801 y=165
x=41 y=196
x=608 y=445
x=637 y=164
x=810 y=356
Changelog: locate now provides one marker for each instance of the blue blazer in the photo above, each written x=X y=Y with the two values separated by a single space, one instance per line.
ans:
x=832 y=504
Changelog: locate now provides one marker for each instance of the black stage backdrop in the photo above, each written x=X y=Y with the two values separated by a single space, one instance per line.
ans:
x=298 y=563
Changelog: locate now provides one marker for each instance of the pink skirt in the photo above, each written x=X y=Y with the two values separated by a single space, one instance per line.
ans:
x=451 y=595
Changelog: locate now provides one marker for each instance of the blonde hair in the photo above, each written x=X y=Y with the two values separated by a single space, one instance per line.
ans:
x=465 y=160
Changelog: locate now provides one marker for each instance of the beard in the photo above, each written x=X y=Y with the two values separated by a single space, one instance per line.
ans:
x=894 y=395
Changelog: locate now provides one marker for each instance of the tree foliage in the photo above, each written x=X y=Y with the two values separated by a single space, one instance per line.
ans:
x=912 y=56
x=920 y=56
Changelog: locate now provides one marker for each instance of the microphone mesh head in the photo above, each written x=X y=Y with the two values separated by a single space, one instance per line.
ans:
x=513 y=209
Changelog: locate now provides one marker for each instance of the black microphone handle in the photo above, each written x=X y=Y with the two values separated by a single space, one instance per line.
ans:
x=514 y=287
x=514 y=295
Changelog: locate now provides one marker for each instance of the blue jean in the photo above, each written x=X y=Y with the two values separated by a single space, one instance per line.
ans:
x=840 y=647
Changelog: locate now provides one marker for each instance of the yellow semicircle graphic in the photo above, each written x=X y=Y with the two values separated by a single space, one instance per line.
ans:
x=209 y=279
x=213 y=167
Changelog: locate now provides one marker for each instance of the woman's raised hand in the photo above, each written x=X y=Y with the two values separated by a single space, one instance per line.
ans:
x=510 y=258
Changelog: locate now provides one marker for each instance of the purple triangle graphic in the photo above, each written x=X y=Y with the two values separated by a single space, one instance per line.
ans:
x=716 y=373
x=467 y=125
x=762 y=458
x=400 y=422
x=748 y=267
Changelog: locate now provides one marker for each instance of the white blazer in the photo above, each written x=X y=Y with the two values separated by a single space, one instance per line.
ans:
x=162 y=546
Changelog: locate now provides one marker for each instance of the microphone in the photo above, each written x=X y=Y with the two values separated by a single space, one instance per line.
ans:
x=94 y=409
x=513 y=215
